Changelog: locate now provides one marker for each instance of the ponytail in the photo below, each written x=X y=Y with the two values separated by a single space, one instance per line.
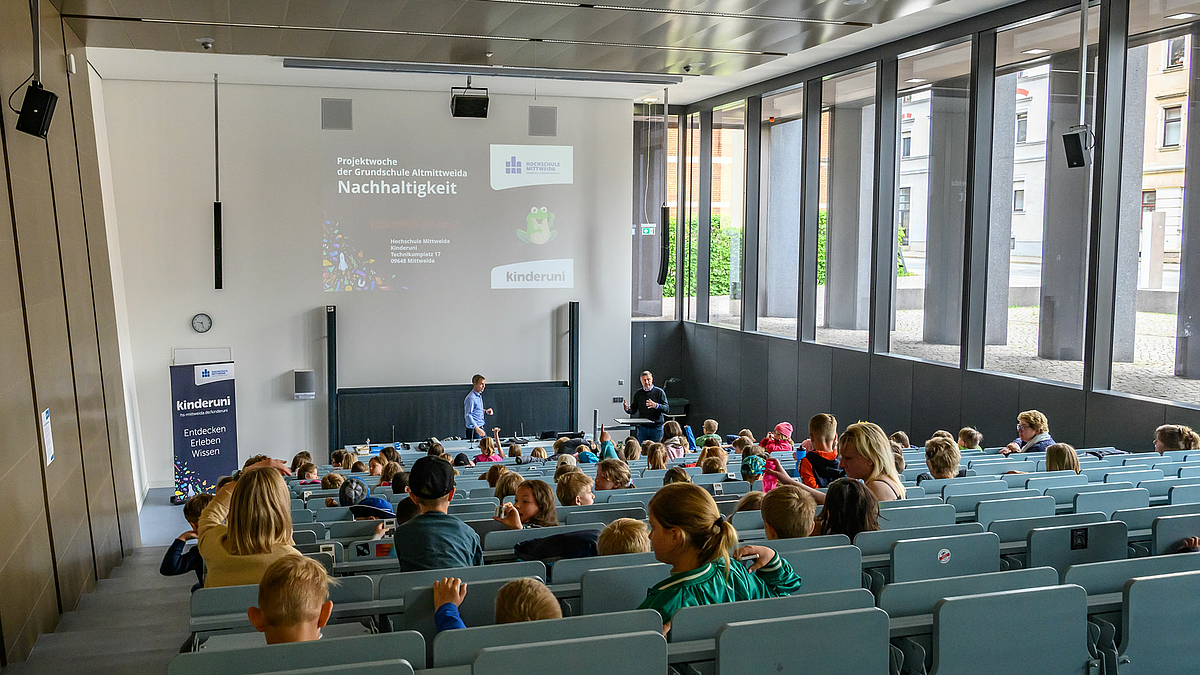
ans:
x=690 y=508
x=1177 y=437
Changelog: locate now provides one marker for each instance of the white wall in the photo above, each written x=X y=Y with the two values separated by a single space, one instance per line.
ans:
x=271 y=313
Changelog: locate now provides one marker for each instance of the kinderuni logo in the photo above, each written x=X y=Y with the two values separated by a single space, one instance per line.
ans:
x=512 y=165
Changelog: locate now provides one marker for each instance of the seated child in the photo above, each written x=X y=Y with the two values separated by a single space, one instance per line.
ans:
x=969 y=438
x=374 y=508
x=332 y=481
x=375 y=466
x=351 y=492
x=751 y=501
x=633 y=449
x=898 y=457
x=300 y=459
x=306 y=474
x=787 y=512
x=710 y=431
x=753 y=467
x=335 y=458
x=518 y=600
x=623 y=535
x=488 y=450
x=850 y=508
x=901 y=438
x=533 y=507
x=657 y=456
x=612 y=474
x=399 y=482
x=349 y=459
x=676 y=474
x=434 y=539
x=293 y=601
x=176 y=561
x=779 y=440
x=748 y=435
x=506 y=485
x=358 y=467
x=587 y=455
x=943 y=434
x=389 y=471
x=493 y=474
x=575 y=489
x=942 y=457
x=1062 y=457
x=712 y=465
x=607 y=449
x=819 y=467
x=689 y=533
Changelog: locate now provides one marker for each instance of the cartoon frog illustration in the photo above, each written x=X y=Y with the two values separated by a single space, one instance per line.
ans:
x=539 y=227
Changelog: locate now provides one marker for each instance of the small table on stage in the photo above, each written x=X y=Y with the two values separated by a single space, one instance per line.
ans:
x=632 y=422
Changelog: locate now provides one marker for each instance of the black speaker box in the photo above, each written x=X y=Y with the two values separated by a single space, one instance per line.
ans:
x=469 y=105
x=36 y=111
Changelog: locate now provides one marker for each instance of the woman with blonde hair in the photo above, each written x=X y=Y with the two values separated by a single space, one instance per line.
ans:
x=864 y=453
x=1062 y=457
x=1033 y=434
x=247 y=526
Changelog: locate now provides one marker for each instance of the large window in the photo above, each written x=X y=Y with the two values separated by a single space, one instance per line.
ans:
x=1036 y=315
x=653 y=182
x=1151 y=272
x=779 y=212
x=728 y=215
x=931 y=179
x=845 y=209
x=691 y=213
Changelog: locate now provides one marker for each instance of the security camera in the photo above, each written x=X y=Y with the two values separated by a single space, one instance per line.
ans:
x=206 y=43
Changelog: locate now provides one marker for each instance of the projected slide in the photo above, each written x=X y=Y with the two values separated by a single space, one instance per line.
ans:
x=403 y=216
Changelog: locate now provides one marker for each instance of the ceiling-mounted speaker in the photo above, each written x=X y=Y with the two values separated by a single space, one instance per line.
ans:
x=36 y=111
x=469 y=102
x=543 y=120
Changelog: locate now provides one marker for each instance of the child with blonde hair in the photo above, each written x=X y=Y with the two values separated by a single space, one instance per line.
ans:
x=969 y=438
x=332 y=481
x=247 y=526
x=787 y=512
x=612 y=474
x=506 y=485
x=633 y=449
x=710 y=431
x=293 y=601
x=819 y=466
x=493 y=474
x=942 y=456
x=623 y=535
x=389 y=472
x=657 y=457
x=676 y=474
x=688 y=532
x=517 y=601
x=575 y=489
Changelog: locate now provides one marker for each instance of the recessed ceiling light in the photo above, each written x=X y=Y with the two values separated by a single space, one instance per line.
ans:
x=1036 y=51
x=1182 y=16
x=915 y=80
x=650 y=99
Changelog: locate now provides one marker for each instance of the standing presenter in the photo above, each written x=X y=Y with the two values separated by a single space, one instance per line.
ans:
x=649 y=402
x=474 y=410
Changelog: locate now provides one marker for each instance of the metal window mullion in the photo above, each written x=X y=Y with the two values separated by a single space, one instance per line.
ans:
x=810 y=206
x=681 y=230
x=704 y=217
x=750 y=237
x=979 y=189
x=1106 y=195
x=883 y=253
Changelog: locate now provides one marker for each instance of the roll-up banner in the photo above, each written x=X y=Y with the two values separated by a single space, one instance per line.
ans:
x=205 y=427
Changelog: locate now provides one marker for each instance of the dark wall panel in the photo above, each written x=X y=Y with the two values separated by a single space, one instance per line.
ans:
x=814 y=383
x=726 y=389
x=437 y=410
x=1063 y=407
x=1125 y=422
x=936 y=400
x=850 y=397
x=891 y=393
x=703 y=385
x=754 y=378
x=990 y=404
x=782 y=373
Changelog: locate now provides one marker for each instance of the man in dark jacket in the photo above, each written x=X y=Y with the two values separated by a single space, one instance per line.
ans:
x=650 y=403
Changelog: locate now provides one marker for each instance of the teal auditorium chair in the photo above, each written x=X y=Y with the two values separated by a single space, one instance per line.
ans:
x=810 y=643
x=939 y=557
x=396 y=586
x=405 y=645
x=1169 y=531
x=837 y=568
x=458 y=647
x=477 y=609
x=1049 y=634
x=1063 y=546
x=1108 y=501
x=916 y=516
x=1161 y=624
x=704 y=622
x=642 y=653
x=618 y=589
x=965 y=504
x=570 y=570
x=989 y=511
x=604 y=516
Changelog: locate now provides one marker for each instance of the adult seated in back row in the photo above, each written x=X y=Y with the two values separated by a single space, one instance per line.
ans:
x=1033 y=434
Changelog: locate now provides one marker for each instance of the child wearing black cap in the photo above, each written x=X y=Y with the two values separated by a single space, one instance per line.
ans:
x=434 y=539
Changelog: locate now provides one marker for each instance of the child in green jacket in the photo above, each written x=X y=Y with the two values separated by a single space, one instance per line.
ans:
x=690 y=534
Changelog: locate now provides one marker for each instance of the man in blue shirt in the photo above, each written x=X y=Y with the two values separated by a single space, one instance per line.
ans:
x=474 y=410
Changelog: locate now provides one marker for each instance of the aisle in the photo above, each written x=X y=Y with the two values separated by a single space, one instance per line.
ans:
x=134 y=622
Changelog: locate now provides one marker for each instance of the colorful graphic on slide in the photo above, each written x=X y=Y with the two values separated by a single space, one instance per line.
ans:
x=539 y=227
x=346 y=267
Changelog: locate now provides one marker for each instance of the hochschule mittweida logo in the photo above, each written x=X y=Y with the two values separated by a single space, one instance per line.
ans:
x=512 y=165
